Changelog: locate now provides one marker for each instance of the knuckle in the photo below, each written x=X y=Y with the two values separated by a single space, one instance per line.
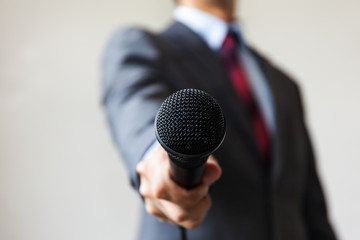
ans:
x=151 y=209
x=208 y=203
x=190 y=196
x=180 y=216
x=159 y=191
x=140 y=167
x=203 y=191
x=193 y=224
x=144 y=191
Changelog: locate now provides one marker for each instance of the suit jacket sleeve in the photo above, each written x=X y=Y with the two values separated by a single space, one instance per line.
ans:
x=133 y=90
x=315 y=210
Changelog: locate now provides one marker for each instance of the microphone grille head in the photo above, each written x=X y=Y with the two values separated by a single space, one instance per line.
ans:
x=190 y=122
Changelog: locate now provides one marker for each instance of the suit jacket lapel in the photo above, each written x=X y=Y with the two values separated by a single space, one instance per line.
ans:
x=279 y=140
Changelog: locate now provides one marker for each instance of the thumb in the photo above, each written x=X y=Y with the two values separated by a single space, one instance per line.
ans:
x=212 y=171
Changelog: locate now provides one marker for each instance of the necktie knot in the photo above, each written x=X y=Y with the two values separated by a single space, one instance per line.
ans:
x=230 y=44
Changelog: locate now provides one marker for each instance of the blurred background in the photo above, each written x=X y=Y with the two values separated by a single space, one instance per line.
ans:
x=60 y=174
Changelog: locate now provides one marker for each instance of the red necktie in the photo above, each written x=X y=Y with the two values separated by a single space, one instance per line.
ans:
x=237 y=74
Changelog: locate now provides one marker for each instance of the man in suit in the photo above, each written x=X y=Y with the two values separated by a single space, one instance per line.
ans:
x=265 y=183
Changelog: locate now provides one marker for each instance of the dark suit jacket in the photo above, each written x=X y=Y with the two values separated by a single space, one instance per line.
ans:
x=285 y=202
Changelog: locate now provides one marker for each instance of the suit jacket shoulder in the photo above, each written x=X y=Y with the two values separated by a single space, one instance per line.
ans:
x=133 y=88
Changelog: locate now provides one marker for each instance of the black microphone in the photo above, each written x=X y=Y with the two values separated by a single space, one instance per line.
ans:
x=190 y=126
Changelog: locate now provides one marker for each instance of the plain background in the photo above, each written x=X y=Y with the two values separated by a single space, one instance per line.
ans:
x=60 y=174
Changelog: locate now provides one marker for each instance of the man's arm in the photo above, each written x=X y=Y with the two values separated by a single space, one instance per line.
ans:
x=133 y=90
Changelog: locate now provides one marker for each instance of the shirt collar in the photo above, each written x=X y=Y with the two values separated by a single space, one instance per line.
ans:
x=211 y=29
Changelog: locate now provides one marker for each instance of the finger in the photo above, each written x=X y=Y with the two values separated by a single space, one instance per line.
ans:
x=153 y=187
x=157 y=157
x=153 y=173
x=188 y=218
x=144 y=188
x=160 y=189
x=212 y=171
x=155 y=207
x=186 y=198
x=141 y=167
x=166 y=189
x=198 y=213
x=152 y=209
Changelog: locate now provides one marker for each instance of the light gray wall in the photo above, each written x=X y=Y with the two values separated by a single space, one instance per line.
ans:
x=60 y=175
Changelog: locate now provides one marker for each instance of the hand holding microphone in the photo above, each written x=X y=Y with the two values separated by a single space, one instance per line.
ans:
x=174 y=183
x=167 y=200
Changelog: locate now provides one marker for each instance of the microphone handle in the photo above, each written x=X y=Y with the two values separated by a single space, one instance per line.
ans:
x=186 y=174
